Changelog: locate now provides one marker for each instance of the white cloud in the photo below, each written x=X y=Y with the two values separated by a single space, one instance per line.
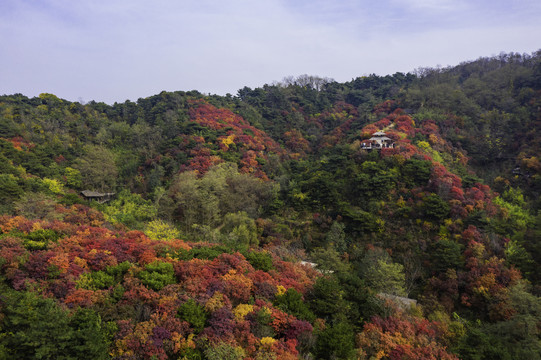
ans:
x=114 y=50
x=432 y=5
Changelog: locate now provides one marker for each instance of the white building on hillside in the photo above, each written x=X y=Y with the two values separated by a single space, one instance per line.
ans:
x=378 y=141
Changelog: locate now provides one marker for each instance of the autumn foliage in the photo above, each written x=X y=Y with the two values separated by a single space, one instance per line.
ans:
x=140 y=284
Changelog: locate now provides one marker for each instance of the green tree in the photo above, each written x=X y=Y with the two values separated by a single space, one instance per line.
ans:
x=95 y=280
x=260 y=260
x=40 y=239
x=291 y=301
x=244 y=192
x=515 y=214
x=517 y=255
x=382 y=274
x=326 y=298
x=194 y=314
x=374 y=182
x=336 y=341
x=160 y=230
x=434 y=207
x=240 y=230
x=447 y=254
x=10 y=189
x=416 y=172
x=222 y=190
x=97 y=167
x=129 y=209
x=336 y=237
x=328 y=260
x=195 y=202
x=36 y=328
x=73 y=178
x=157 y=275
x=89 y=340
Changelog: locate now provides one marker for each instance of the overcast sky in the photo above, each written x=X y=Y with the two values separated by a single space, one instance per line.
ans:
x=114 y=50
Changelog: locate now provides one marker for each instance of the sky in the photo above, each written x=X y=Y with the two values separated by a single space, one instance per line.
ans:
x=117 y=50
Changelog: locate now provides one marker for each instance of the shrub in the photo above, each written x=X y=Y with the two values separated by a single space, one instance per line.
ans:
x=157 y=275
x=194 y=314
x=260 y=260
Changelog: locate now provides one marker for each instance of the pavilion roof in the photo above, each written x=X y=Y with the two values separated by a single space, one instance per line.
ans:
x=379 y=138
x=90 y=193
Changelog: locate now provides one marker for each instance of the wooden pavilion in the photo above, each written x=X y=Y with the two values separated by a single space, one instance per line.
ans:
x=97 y=196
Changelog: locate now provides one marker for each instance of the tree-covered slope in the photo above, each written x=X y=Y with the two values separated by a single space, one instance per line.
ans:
x=223 y=206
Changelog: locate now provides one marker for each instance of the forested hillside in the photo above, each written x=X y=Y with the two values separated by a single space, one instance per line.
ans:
x=259 y=226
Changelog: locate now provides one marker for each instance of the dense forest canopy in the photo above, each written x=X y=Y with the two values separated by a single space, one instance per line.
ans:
x=258 y=226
